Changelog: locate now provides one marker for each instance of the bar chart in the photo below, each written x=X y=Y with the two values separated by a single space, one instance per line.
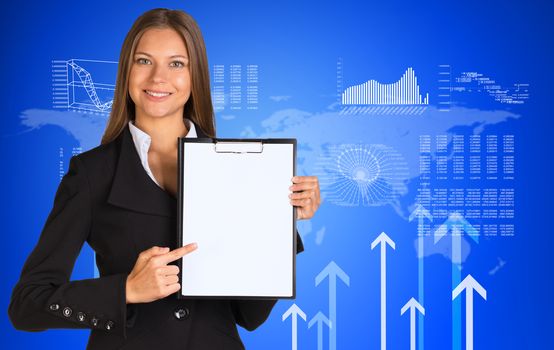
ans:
x=405 y=91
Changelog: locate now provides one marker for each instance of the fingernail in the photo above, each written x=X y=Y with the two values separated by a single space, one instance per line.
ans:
x=164 y=249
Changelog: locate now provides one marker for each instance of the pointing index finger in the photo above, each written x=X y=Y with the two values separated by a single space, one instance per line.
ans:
x=178 y=253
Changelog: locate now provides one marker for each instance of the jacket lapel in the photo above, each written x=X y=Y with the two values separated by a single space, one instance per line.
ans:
x=133 y=189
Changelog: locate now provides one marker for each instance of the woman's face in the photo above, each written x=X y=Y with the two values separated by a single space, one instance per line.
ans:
x=159 y=81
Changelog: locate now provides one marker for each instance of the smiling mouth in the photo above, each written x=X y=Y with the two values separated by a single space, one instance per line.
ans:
x=157 y=94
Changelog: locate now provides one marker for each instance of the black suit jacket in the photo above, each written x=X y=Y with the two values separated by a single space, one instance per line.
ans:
x=108 y=200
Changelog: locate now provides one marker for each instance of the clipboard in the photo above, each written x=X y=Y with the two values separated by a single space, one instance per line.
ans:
x=233 y=201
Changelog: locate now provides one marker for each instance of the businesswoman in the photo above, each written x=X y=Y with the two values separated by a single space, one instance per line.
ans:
x=120 y=198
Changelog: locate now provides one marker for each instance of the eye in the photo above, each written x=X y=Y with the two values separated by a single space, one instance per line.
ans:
x=177 y=64
x=142 y=60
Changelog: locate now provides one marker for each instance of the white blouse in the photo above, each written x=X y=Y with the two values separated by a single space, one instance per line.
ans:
x=142 y=143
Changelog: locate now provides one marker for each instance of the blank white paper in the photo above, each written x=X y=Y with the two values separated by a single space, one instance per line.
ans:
x=236 y=208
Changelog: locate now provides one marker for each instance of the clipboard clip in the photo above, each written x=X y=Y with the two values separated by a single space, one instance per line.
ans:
x=238 y=147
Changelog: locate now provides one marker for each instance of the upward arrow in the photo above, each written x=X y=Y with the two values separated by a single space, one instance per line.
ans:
x=294 y=311
x=421 y=213
x=383 y=240
x=332 y=271
x=412 y=304
x=457 y=225
x=469 y=284
x=319 y=318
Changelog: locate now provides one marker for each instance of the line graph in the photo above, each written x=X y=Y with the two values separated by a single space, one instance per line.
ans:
x=83 y=85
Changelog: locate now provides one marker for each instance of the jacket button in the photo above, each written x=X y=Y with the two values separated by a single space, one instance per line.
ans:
x=81 y=316
x=109 y=325
x=54 y=307
x=67 y=311
x=181 y=313
x=94 y=321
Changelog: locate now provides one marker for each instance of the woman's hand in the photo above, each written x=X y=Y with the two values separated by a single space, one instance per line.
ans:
x=306 y=198
x=151 y=278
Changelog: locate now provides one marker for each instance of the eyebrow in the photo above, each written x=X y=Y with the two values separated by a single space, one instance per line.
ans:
x=172 y=56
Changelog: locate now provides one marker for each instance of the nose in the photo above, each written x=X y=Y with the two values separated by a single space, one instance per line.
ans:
x=159 y=73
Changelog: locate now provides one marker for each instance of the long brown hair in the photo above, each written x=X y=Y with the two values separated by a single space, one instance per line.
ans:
x=199 y=107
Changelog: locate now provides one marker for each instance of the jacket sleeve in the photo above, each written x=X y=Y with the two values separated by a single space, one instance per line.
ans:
x=44 y=297
x=250 y=314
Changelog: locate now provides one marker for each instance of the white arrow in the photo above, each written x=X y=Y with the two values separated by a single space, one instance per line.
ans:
x=420 y=213
x=332 y=271
x=319 y=318
x=457 y=225
x=294 y=311
x=412 y=304
x=383 y=240
x=469 y=284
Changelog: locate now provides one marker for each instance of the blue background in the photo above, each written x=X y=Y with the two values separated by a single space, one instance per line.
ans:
x=296 y=45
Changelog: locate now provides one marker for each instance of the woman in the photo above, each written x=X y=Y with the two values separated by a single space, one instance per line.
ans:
x=120 y=199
